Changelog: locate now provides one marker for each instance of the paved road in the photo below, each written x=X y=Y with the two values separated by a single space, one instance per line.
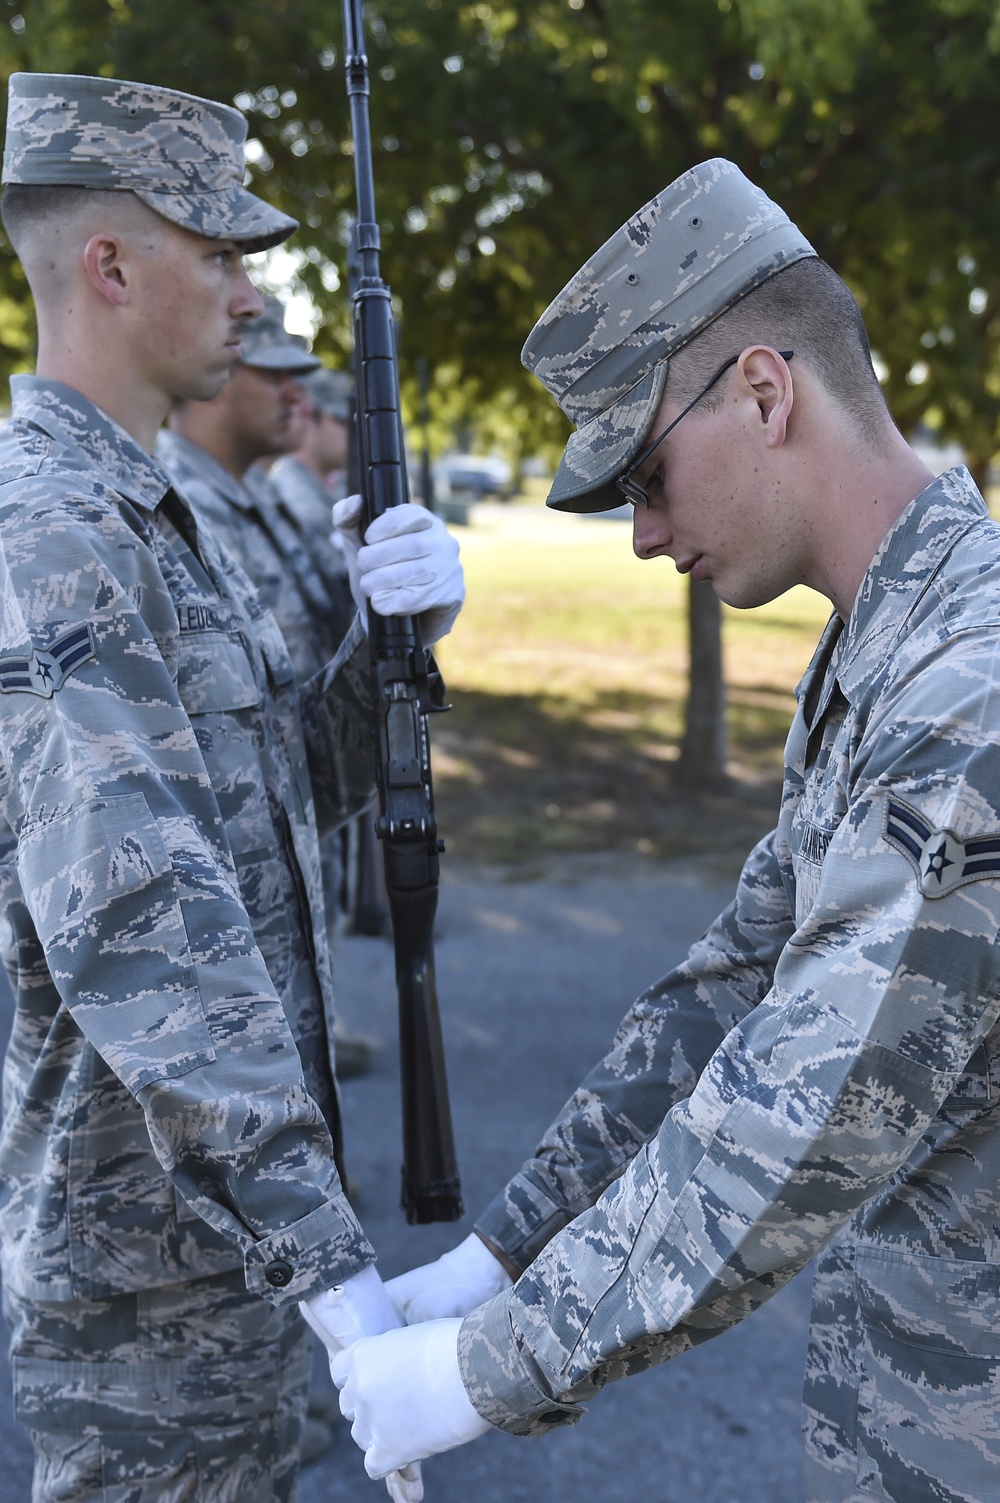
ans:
x=533 y=979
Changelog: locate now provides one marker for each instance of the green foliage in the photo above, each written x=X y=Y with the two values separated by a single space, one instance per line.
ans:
x=513 y=137
x=783 y=35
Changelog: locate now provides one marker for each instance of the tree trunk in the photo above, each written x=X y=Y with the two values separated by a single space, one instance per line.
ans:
x=702 y=762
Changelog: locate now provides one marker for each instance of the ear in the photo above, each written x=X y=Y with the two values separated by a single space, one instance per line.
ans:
x=104 y=262
x=770 y=380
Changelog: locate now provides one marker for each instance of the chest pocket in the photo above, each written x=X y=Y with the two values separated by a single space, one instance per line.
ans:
x=280 y=669
x=214 y=673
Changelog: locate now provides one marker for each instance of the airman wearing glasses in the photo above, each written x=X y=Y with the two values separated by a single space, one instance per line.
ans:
x=818 y=1078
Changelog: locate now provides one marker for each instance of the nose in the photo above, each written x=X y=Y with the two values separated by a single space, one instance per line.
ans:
x=247 y=302
x=651 y=534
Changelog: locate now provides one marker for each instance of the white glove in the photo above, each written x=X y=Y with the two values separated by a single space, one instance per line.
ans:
x=405 y=1395
x=407 y=565
x=360 y=1307
x=346 y=534
x=454 y=1284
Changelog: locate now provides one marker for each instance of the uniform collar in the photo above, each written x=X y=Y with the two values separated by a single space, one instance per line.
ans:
x=908 y=558
x=179 y=453
x=72 y=419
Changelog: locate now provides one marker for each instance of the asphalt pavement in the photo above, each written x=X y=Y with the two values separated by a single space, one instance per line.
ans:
x=533 y=978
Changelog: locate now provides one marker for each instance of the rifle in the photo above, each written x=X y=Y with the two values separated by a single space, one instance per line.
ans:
x=353 y=278
x=406 y=824
x=426 y=478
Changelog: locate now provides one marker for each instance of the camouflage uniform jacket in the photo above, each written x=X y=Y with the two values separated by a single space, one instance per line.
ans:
x=828 y=1053
x=168 y=1091
x=308 y=504
x=245 y=517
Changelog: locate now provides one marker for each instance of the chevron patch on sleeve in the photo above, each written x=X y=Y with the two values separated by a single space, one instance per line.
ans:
x=941 y=861
x=43 y=672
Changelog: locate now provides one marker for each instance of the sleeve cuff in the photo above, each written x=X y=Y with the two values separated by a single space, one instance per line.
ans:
x=322 y=1249
x=501 y=1378
x=519 y=1222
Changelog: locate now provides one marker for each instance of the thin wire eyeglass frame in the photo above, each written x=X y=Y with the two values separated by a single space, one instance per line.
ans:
x=629 y=487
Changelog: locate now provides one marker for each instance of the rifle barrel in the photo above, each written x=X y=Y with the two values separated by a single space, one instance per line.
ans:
x=406 y=825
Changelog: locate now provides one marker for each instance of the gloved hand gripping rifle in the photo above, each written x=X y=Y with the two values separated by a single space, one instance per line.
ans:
x=406 y=825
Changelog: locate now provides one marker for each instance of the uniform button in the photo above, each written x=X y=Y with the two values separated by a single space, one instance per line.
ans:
x=279 y=1273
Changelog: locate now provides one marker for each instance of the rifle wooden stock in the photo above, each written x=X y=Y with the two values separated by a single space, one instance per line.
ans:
x=406 y=825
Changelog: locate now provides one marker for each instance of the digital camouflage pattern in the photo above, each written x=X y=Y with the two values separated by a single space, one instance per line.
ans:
x=183 y=156
x=266 y=344
x=312 y=605
x=187 y=1391
x=820 y=1072
x=307 y=505
x=302 y=509
x=169 y=1102
x=693 y=251
x=246 y=517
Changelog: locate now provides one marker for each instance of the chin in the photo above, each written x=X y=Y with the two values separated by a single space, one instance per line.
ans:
x=201 y=386
x=740 y=595
x=750 y=597
x=727 y=593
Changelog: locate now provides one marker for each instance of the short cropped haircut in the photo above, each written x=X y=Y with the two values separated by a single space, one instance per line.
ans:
x=805 y=308
x=27 y=205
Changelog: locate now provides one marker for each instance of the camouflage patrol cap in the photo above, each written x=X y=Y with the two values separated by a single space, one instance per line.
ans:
x=181 y=155
x=332 y=392
x=266 y=344
x=602 y=346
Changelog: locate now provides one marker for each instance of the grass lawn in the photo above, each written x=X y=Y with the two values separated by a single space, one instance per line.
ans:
x=567 y=674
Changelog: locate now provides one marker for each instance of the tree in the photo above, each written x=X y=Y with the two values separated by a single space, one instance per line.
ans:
x=702 y=761
x=513 y=137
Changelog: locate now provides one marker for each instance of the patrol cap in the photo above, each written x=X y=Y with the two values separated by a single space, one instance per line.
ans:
x=265 y=343
x=602 y=346
x=181 y=155
x=332 y=392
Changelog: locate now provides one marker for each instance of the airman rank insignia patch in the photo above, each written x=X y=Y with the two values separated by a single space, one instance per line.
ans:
x=41 y=671
x=941 y=861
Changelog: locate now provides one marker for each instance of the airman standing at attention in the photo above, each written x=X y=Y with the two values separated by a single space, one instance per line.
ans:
x=211 y=451
x=313 y=476
x=307 y=482
x=168 y=1161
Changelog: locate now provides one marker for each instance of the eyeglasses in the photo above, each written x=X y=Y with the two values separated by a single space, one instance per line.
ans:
x=627 y=484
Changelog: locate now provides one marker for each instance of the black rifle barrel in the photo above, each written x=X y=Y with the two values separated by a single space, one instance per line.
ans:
x=406 y=825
